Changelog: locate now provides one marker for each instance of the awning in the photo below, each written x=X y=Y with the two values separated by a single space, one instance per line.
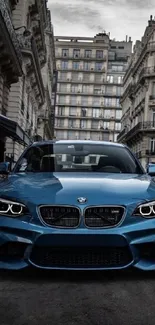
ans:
x=12 y=130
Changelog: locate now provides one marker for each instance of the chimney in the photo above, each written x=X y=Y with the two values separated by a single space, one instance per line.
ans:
x=126 y=38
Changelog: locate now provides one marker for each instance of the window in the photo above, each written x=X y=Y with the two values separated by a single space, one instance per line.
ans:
x=73 y=100
x=87 y=66
x=63 y=88
x=115 y=137
x=98 y=66
x=86 y=77
x=107 y=113
x=86 y=89
x=106 y=125
x=152 y=145
x=96 y=112
x=76 y=65
x=61 y=111
x=118 y=114
x=97 y=91
x=75 y=76
x=63 y=76
x=110 y=79
x=74 y=88
x=108 y=101
x=60 y=135
x=109 y=90
x=83 y=135
x=88 y=53
x=84 y=101
x=46 y=158
x=119 y=91
x=95 y=136
x=60 y=122
x=84 y=112
x=120 y=79
x=72 y=111
x=96 y=101
x=99 y=54
x=83 y=124
x=121 y=47
x=64 y=65
x=76 y=53
x=106 y=137
x=65 y=52
x=71 y=135
x=95 y=125
x=117 y=68
x=62 y=100
x=118 y=102
x=117 y=126
x=98 y=78
x=72 y=123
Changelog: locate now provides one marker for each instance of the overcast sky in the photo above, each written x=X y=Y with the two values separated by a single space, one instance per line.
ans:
x=88 y=17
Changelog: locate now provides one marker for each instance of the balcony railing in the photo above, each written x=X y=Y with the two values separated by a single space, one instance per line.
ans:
x=148 y=126
x=80 y=56
x=147 y=72
x=80 y=68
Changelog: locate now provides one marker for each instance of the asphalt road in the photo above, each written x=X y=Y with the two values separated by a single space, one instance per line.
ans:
x=67 y=298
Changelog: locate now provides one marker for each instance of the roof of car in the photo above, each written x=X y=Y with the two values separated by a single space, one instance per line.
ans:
x=78 y=142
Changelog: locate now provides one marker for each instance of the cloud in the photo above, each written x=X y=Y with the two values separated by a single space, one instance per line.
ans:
x=88 y=17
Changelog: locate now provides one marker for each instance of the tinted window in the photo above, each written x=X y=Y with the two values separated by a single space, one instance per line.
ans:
x=78 y=158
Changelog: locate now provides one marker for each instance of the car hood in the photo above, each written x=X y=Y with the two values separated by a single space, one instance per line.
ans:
x=65 y=188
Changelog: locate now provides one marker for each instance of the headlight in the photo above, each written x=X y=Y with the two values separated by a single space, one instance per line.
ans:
x=146 y=210
x=12 y=209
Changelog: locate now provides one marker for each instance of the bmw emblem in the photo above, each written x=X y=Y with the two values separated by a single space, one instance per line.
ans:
x=82 y=200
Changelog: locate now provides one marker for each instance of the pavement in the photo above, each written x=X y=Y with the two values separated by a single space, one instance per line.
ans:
x=77 y=298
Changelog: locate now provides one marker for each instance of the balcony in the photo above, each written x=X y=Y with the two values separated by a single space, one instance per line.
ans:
x=146 y=73
x=10 y=54
x=29 y=49
x=81 y=68
x=80 y=56
x=38 y=13
x=141 y=127
x=129 y=91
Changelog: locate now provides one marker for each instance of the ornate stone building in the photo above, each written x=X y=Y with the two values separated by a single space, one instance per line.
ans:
x=47 y=114
x=30 y=94
x=10 y=71
x=138 y=100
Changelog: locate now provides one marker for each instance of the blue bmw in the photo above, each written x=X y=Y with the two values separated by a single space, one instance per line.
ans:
x=77 y=205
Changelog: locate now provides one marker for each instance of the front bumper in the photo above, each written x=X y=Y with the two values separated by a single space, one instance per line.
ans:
x=25 y=243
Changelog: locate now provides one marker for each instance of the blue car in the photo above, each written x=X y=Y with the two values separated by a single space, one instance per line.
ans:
x=77 y=205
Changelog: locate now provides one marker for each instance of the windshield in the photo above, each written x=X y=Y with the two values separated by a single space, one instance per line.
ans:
x=73 y=157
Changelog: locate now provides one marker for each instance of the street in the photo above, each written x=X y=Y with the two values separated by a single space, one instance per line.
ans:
x=43 y=298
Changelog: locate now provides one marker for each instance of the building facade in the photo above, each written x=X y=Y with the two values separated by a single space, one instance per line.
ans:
x=10 y=70
x=45 y=123
x=29 y=97
x=90 y=75
x=138 y=100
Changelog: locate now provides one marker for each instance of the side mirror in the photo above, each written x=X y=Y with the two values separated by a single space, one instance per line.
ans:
x=151 y=170
x=4 y=168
